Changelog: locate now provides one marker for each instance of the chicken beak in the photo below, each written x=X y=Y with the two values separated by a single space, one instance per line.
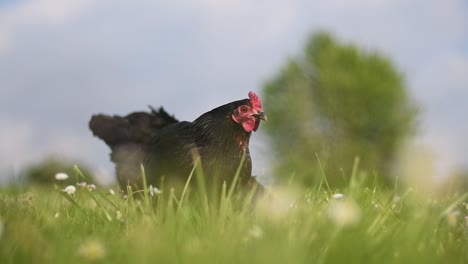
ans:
x=260 y=115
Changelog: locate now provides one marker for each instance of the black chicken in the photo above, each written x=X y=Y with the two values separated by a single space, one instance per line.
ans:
x=169 y=148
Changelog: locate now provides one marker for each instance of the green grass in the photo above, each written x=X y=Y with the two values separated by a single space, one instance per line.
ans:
x=368 y=225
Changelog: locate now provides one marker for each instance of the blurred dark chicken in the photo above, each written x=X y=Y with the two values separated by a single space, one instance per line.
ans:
x=169 y=148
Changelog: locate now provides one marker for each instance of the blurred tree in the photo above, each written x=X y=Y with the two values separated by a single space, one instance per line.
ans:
x=340 y=102
x=44 y=172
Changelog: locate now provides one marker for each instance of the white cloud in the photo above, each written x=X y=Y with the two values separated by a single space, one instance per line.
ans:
x=36 y=13
x=217 y=7
x=344 y=4
x=412 y=32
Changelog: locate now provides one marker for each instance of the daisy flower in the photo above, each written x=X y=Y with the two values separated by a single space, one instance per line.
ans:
x=154 y=190
x=70 y=189
x=338 y=196
x=61 y=176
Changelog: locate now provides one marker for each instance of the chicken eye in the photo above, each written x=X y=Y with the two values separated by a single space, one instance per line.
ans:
x=243 y=109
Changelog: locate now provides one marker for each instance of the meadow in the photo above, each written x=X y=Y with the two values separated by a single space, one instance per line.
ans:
x=361 y=223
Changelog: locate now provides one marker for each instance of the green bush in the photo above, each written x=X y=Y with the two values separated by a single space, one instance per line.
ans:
x=45 y=171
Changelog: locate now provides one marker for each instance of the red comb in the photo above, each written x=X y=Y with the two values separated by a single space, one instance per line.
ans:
x=254 y=100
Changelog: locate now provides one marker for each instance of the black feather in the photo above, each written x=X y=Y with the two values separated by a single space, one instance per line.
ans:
x=166 y=147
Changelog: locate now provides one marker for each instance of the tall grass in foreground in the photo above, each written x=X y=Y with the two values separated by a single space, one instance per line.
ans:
x=359 y=224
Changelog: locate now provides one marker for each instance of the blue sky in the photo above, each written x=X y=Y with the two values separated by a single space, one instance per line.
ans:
x=62 y=61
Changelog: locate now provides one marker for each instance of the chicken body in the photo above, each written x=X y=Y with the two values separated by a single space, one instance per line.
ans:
x=167 y=148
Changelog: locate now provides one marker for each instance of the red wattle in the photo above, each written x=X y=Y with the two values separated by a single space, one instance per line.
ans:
x=249 y=125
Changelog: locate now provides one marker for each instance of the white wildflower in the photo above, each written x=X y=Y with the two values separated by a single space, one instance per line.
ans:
x=57 y=215
x=338 y=196
x=91 y=187
x=70 y=189
x=111 y=192
x=92 y=250
x=81 y=184
x=344 y=212
x=61 y=176
x=154 y=190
